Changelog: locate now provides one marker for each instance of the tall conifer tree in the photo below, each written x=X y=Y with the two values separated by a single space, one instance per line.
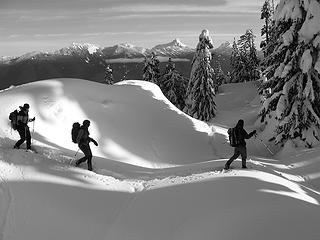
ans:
x=200 y=101
x=244 y=59
x=174 y=86
x=293 y=69
x=151 y=70
x=108 y=76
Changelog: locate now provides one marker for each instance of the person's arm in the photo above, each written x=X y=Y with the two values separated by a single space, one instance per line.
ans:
x=247 y=136
x=94 y=141
x=32 y=119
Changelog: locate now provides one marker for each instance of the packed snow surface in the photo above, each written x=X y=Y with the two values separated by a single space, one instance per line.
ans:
x=157 y=172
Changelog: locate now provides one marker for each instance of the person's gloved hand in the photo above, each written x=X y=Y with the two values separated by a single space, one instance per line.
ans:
x=254 y=132
x=94 y=142
x=34 y=118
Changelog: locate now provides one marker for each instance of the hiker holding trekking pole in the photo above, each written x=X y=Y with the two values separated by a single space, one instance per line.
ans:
x=83 y=141
x=237 y=136
x=22 y=126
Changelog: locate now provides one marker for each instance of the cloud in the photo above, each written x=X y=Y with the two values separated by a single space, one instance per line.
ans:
x=132 y=5
x=51 y=35
x=239 y=6
x=38 y=18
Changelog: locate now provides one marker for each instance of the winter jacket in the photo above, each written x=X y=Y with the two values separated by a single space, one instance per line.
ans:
x=23 y=118
x=83 y=136
x=242 y=134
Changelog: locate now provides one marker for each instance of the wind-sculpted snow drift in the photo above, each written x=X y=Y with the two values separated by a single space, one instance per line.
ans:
x=132 y=121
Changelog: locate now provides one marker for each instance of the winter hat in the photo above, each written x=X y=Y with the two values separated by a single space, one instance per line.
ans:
x=240 y=123
x=25 y=106
x=86 y=122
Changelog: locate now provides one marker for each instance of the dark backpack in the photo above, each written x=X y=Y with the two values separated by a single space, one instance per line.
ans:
x=74 y=131
x=13 y=119
x=233 y=138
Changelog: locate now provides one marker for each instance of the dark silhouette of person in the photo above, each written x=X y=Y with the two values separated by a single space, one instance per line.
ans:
x=22 y=126
x=241 y=148
x=83 y=141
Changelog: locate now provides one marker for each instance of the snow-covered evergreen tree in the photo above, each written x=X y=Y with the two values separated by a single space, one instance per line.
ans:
x=174 y=86
x=151 y=70
x=266 y=15
x=249 y=57
x=108 y=76
x=200 y=102
x=125 y=71
x=236 y=63
x=170 y=66
x=244 y=59
x=293 y=72
x=219 y=76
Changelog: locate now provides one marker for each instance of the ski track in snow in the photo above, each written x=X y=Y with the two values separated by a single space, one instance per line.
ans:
x=158 y=177
x=11 y=161
x=6 y=198
x=5 y=202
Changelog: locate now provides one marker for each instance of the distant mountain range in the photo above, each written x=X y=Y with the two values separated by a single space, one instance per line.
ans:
x=88 y=61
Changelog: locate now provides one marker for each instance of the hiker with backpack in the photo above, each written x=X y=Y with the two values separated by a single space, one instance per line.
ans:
x=21 y=125
x=83 y=141
x=237 y=136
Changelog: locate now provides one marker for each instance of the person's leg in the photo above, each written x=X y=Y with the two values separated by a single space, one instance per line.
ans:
x=28 y=138
x=243 y=152
x=22 y=132
x=83 y=159
x=234 y=156
x=89 y=156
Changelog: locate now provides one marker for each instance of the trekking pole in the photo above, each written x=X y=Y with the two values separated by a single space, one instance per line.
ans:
x=32 y=132
x=77 y=152
x=266 y=146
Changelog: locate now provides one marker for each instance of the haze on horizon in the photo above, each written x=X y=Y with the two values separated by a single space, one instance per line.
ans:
x=46 y=25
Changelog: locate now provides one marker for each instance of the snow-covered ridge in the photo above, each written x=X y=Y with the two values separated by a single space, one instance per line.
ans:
x=174 y=49
x=125 y=139
x=79 y=48
x=124 y=50
x=90 y=47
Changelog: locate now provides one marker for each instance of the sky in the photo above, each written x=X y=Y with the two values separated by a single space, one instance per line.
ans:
x=46 y=25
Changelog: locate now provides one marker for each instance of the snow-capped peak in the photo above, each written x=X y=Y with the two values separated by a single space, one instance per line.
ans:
x=172 y=48
x=177 y=42
x=225 y=45
x=79 y=48
x=126 y=45
x=90 y=47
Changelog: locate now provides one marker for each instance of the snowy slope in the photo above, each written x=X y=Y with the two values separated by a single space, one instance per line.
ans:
x=56 y=104
x=156 y=171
